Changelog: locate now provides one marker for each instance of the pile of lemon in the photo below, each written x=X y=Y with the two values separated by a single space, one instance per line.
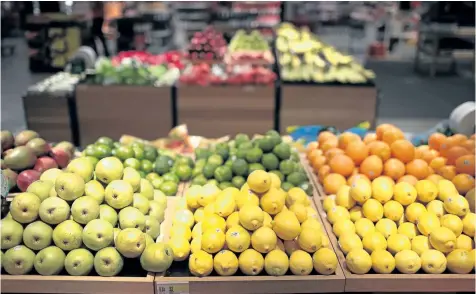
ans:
x=260 y=227
x=381 y=225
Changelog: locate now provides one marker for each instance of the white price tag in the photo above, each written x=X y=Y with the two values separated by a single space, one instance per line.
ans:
x=175 y=288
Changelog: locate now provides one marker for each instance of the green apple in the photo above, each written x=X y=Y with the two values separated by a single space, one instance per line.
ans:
x=12 y=233
x=156 y=258
x=130 y=242
x=68 y=235
x=109 y=169
x=157 y=211
x=94 y=189
x=108 y=214
x=141 y=202
x=108 y=262
x=82 y=167
x=119 y=194
x=131 y=217
x=18 y=260
x=37 y=235
x=116 y=233
x=24 y=207
x=146 y=189
x=49 y=261
x=85 y=209
x=54 y=210
x=98 y=234
x=132 y=177
x=51 y=175
x=69 y=186
x=152 y=226
x=79 y=262
x=41 y=189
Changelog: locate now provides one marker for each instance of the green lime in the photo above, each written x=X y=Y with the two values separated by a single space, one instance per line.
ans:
x=246 y=145
x=307 y=187
x=240 y=167
x=138 y=152
x=241 y=138
x=105 y=141
x=157 y=182
x=150 y=153
x=132 y=162
x=184 y=172
x=137 y=144
x=223 y=174
x=270 y=161
x=215 y=159
x=209 y=170
x=266 y=144
x=287 y=167
x=212 y=182
x=151 y=176
x=116 y=145
x=272 y=133
x=161 y=166
x=93 y=160
x=238 y=181
x=229 y=163
x=200 y=163
x=275 y=137
x=287 y=186
x=147 y=165
x=223 y=150
x=102 y=151
x=184 y=160
x=296 y=178
x=295 y=157
x=279 y=174
x=199 y=180
x=90 y=150
x=124 y=152
x=255 y=166
x=241 y=153
x=254 y=155
x=202 y=153
x=198 y=170
x=233 y=151
x=169 y=188
x=170 y=177
x=282 y=151
x=224 y=185
x=142 y=174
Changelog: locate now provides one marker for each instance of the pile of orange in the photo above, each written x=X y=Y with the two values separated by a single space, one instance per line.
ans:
x=338 y=160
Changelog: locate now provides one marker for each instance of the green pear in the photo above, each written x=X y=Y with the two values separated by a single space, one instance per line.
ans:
x=51 y=175
x=108 y=214
x=130 y=242
x=41 y=189
x=152 y=226
x=109 y=169
x=131 y=217
x=37 y=235
x=98 y=234
x=156 y=258
x=12 y=233
x=18 y=260
x=68 y=235
x=160 y=197
x=146 y=189
x=140 y=202
x=25 y=207
x=54 y=210
x=119 y=194
x=108 y=262
x=69 y=186
x=132 y=177
x=95 y=189
x=85 y=209
x=79 y=262
x=157 y=211
x=49 y=261
x=82 y=167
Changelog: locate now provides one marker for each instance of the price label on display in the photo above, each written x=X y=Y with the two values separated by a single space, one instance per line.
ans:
x=175 y=288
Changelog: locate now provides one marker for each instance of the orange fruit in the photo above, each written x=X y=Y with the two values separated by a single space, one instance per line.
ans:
x=323 y=172
x=394 y=168
x=333 y=152
x=323 y=136
x=314 y=154
x=403 y=150
x=438 y=163
x=435 y=178
x=446 y=145
x=356 y=171
x=459 y=138
x=430 y=170
x=408 y=179
x=333 y=182
x=372 y=167
x=417 y=168
x=370 y=137
x=420 y=150
x=342 y=164
x=429 y=155
x=357 y=151
x=312 y=146
x=392 y=135
x=328 y=144
x=463 y=183
x=381 y=149
x=454 y=153
x=381 y=129
x=468 y=145
x=346 y=138
x=318 y=162
x=448 y=172
x=435 y=140
x=357 y=176
x=465 y=164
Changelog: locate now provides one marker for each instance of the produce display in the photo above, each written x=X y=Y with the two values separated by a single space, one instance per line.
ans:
x=228 y=164
x=399 y=208
x=207 y=45
x=302 y=57
x=91 y=217
x=250 y=47
x=162 y=168
x=26 y=156
x=258 y=229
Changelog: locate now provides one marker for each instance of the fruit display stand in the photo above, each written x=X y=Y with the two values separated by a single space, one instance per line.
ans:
x=373 y=282
x=179 y=280
x=142 y=111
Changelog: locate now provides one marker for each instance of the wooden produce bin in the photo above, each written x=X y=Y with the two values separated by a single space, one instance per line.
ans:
x=48 y=115
x=216 y=111
x=340 y=106
x=178 y=280
x=112 y=111
x=397 y=282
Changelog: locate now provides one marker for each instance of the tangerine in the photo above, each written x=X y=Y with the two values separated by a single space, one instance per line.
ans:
x=448 y=172
x=342 y=164
x=346 y=138
x=408 y=179
x=468 y=145
x=357 y=151
x=403 y=150
x=381 y=149
x=370 y=137
x=324 y=136
x=446 y=146
x=332 y=182
x=429 y=155
x=392 y=135
x=381 y=129
x=372 y=167
x=454 y=153
x=417 y=168
x=463 y=183
x=394 y=168
x=465 y=164
x=435 y=140
x=328 y=144
x=318 y=162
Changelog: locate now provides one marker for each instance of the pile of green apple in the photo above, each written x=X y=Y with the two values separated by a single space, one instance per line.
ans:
x=91 y=216
x=162 y=168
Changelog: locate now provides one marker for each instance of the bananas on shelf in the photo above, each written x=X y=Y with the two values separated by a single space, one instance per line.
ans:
x=304 y=58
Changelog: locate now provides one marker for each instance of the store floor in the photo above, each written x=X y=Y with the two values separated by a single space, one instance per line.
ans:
x=414 y=103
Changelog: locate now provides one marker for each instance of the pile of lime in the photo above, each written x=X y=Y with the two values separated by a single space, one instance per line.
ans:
x=230 y=163
x=162 y=168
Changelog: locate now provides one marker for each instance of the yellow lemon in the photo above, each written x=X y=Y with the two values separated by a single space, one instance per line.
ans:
x=336 y=213
x=343 y=197
x=237 y=239
x=343 y=226
x=460 y=261
x=407 y=262
x=413 y=211
x=326 y=243
x=192 y=195
x=445 y=189
x=312 y=223
x=356 y=213
x=349 y=242
x=300 y=263
x=421 y=244
x=251 y=262
x=309 y=240
x=182 y=231
x=393 y=210
x=276 y=263
x=360 y=190
x=286 y=225
x=180 y=248
x=199 y=214
x=397 y=243
x=208 y=195
x=263 y=240
x=329 y=202
x=382 y=189
x=386 y=227
x=433 y=262
x=469 y=221
x=197 y=230
x=251 y=217
x=404 y=193
x=373 y=210
x=470 y=197
x=436 y=207
x=272 y=201
x=300 y=211
x=364 y=226
x=275 y=180
x=464 y=242
x=443 y=239
x=311 y=213
x=268 y=220
x=225 y=263
x=213 y=240
x=408 y=229
x=209 y=209
x=196 y=244
x=427 y=222
x=373 y=241
x=200 y=263
x=426 y=191
x=456 y=204
x=213 y=221
x=296 y=195
x=246 y=197
x=185 y=217
x=324 y=261
x=382 y=262
x=453 y=223
x=224 y=206
x=259 y=181
x=233 y=220
x=358 y=261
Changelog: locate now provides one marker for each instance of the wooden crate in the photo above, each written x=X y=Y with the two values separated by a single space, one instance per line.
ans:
x=216 y=111
x=388 y=282
x=340 y=106
x=112 y=111
x=251 y=284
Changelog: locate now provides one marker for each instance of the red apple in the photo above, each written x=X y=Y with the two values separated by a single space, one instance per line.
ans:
x=26 y=177
x=61 y=156
x=45 y=163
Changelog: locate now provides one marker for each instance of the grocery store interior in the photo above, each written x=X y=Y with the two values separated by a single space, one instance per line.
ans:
x=217 y=146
